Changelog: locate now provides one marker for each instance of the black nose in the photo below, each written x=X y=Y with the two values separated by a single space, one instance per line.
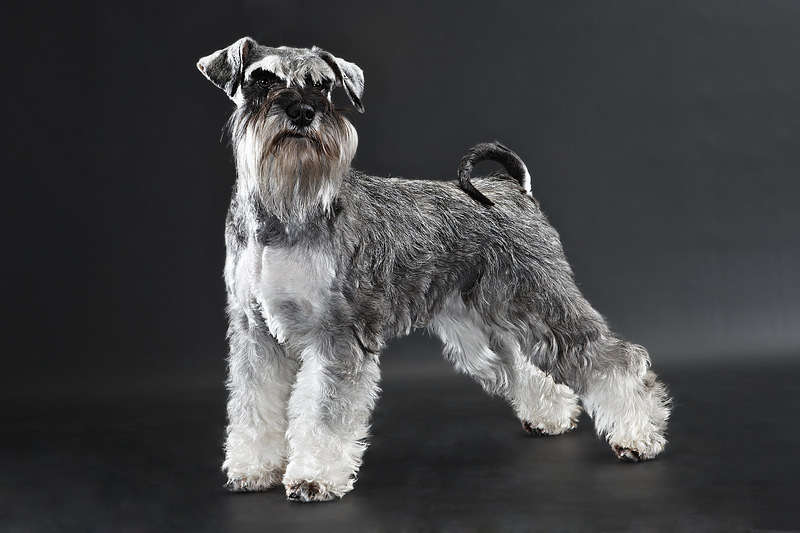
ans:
x=300 y=114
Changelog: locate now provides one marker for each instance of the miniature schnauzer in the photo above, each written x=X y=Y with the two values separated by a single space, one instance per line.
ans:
x=326 y=264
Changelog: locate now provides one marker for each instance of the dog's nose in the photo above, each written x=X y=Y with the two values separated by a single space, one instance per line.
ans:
x=300 y=114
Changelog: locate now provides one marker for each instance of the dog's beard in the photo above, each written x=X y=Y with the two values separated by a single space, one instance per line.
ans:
x=295 y=174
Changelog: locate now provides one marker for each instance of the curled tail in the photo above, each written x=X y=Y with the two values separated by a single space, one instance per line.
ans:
x=493 y=151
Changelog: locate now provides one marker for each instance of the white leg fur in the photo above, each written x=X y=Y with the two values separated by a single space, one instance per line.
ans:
x=541 y=405
x=466 y=345
x=630 y=407
x=329 y=414
x=259 y=383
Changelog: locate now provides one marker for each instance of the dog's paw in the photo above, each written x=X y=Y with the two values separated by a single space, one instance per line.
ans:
x=566 y=421
x=254 y=482
x=636 y=451
x=308 y=491
x=548 y=430
x=548 y=408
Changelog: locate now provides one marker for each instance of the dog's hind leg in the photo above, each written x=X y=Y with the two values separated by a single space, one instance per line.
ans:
x=468 y=346
x=628 y=404
x=544 y=406
x=495 y=361
x=260 y=378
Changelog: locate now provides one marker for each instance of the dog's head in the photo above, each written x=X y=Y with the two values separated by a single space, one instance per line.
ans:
x=288 y=136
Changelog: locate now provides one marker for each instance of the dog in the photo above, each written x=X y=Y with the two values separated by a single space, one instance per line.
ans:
x=326 y=264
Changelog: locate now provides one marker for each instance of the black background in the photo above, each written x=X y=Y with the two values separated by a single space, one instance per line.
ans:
x=662 y=139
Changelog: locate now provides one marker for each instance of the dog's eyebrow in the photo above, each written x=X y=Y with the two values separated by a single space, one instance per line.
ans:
x=270 y=63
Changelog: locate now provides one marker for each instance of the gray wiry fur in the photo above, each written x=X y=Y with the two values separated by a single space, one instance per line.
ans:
x=326 y=264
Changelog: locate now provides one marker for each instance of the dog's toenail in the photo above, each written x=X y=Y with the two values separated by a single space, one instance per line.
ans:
x=533 y=431
x=627 y=455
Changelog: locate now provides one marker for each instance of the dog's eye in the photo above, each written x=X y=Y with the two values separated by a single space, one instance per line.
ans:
x=321 y=85
x=265 y=78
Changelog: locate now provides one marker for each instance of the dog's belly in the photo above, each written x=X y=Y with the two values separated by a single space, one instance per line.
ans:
x=287 y=283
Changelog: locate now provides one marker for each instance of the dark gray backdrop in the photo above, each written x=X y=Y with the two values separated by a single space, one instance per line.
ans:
x=663 y=141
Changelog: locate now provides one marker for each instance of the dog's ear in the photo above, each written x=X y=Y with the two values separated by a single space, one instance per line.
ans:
x=225 y=68
x=348 y=75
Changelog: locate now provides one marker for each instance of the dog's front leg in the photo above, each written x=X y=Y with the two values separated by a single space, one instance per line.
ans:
x=329 y=411
x=260 y=377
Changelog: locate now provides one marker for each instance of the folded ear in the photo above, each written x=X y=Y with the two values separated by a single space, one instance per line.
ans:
x=348 y=75
x=225 y=68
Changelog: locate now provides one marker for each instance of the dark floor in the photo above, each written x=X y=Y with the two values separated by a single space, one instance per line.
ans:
x=444 y=457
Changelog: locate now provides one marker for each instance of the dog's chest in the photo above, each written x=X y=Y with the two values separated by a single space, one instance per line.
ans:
x=285 y=281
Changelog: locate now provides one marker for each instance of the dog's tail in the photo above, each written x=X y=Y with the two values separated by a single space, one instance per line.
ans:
x=493 y=151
